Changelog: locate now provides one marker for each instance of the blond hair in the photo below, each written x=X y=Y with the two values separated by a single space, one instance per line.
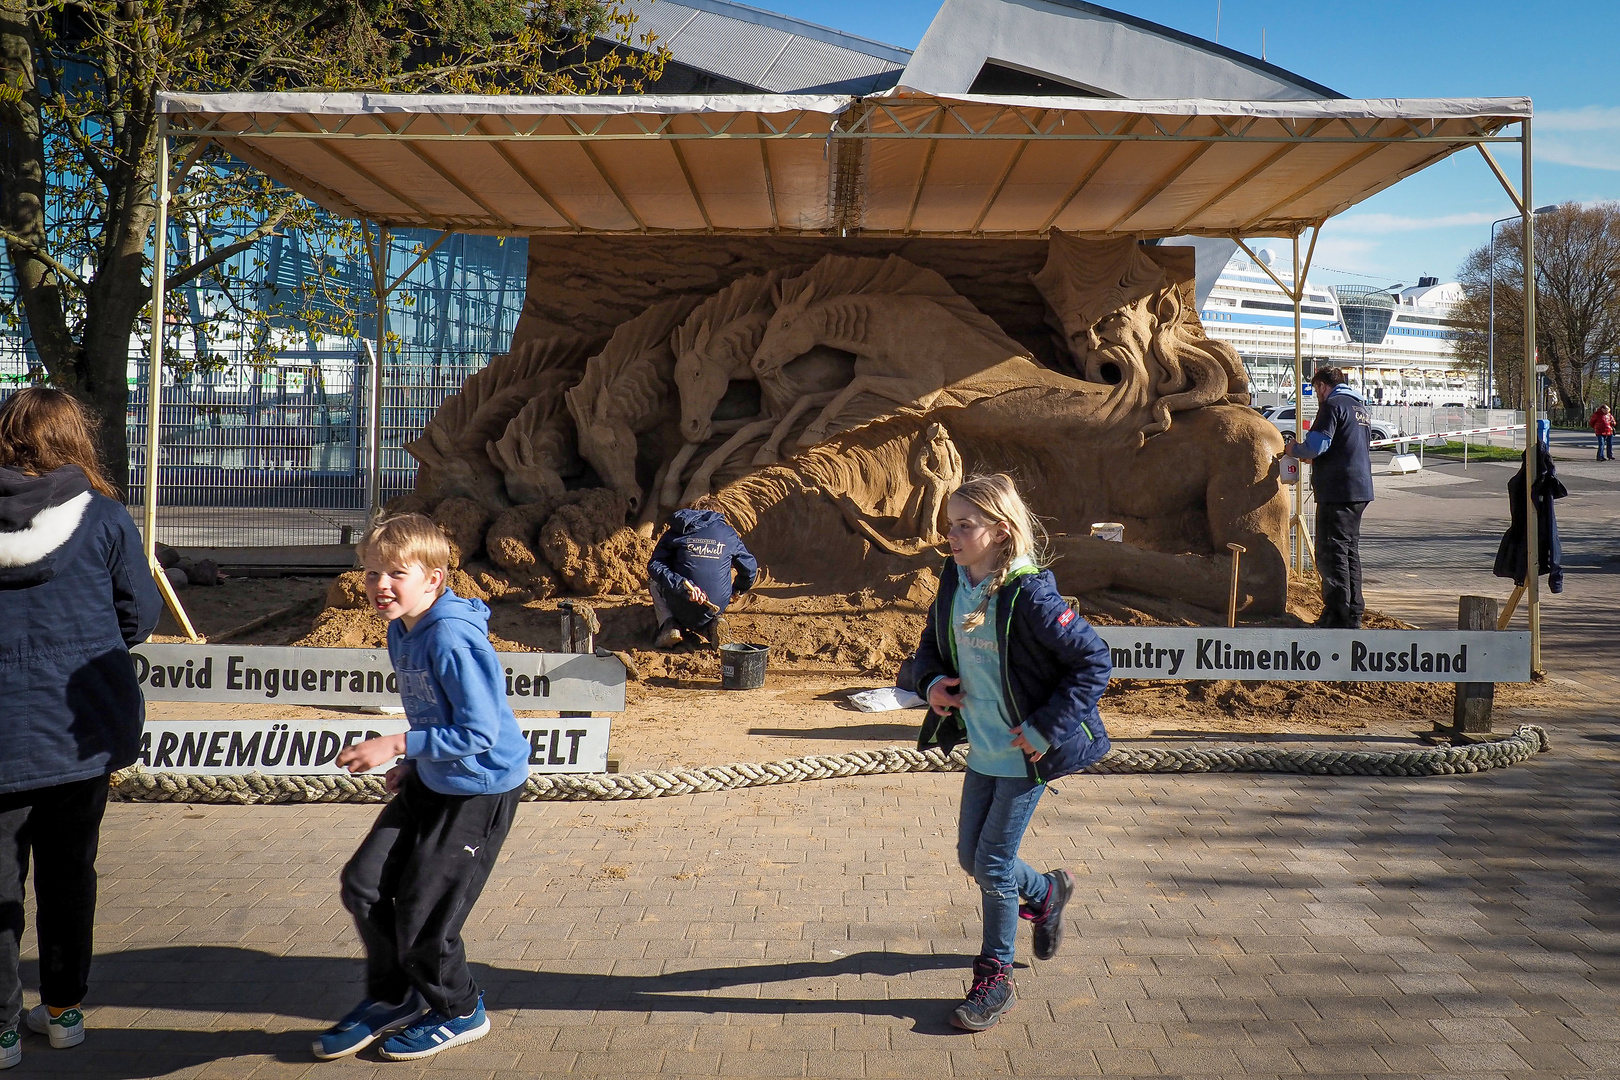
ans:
x=997 y=498
x=406 y=539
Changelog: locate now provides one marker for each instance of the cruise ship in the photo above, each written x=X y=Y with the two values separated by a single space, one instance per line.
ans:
x=1406 y=358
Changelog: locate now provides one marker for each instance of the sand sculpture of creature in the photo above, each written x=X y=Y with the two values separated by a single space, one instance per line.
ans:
x=918 y=343
x=890 y=385
x=715 y=348
x=456 y=450
x=626 y=393
x=1125 y=324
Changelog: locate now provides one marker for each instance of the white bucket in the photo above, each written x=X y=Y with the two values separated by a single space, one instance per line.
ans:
x=1287 y=470
x=1108 y=530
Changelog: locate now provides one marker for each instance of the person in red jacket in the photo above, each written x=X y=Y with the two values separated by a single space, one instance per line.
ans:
x=1603 y=428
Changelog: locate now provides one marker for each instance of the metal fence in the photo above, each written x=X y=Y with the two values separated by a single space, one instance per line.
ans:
x=276 y=456
x=1428 y=420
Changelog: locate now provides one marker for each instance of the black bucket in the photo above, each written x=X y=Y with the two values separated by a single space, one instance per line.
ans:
x=742 y=666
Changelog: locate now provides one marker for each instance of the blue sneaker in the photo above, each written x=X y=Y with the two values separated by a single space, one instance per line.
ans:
x=366 y=1023
x=435 y=1032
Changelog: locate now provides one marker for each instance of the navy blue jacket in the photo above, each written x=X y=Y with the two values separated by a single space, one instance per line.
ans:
x=1054 y=666
x=75 y=594
x=1343 y=472
x=700 y=547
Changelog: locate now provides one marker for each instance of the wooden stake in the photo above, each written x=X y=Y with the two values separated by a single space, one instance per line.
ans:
x=1237 y=551
x=1509 y=608
x=173 y=603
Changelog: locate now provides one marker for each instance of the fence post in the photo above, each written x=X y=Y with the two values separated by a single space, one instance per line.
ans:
x=1472 y=713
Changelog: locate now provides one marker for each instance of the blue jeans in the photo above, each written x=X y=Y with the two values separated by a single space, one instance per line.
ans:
x=1605 y=446
x=995 y=812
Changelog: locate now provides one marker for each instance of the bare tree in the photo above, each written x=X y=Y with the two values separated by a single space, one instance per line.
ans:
x=79 y=81
x=1577 y=302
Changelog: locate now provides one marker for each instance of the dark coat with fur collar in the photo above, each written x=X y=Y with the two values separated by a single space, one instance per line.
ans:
x=75 y=595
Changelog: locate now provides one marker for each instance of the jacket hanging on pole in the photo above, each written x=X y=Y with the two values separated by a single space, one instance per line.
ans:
x=1511 y=556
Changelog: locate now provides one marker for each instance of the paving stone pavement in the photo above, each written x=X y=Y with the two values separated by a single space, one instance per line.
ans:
x=1247 y=925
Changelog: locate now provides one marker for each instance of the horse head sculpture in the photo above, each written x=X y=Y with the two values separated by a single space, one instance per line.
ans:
x=716 y=345
x=624 y=393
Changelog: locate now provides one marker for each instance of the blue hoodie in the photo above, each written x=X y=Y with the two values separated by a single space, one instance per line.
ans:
x=464 y=739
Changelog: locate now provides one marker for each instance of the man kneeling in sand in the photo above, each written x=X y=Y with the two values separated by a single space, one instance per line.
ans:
x=691 y=573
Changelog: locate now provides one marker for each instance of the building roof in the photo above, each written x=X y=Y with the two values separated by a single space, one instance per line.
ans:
x=767 y=52
x=1066 y=47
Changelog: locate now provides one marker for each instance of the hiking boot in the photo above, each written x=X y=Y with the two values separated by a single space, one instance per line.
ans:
x=1049 y=919
x=992 y=996
x=10 y=1048
x=64 y=1031
x=669 y=635
x=435 y=1032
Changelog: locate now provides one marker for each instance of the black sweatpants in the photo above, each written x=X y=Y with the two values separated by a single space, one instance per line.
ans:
x=61 y=827
x=1338 y=561
x=412 y=885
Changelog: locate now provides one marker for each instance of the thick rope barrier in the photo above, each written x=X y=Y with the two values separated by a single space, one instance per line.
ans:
x=138 y=785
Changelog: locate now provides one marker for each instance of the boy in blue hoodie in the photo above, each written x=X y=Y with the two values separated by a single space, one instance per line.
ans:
x=418 y=873
x=691 y=573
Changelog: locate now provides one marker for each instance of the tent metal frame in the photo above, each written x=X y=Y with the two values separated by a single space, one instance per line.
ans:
x=858 y=120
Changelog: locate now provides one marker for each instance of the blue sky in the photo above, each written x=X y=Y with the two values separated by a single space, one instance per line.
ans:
x=1564 y=54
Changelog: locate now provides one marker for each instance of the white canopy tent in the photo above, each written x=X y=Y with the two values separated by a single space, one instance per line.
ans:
x=898 y=164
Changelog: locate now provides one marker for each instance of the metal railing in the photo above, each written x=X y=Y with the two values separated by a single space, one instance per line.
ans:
x=276 y=456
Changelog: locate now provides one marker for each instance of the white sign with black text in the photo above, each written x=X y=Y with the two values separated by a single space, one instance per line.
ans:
x=574 y=744
x=345 y=678
x=1310 y=655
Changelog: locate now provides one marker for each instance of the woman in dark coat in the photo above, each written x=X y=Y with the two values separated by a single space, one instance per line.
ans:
x=75 y=595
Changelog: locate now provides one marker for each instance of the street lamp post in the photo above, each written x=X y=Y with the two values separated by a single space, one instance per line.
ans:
x=1490 y=334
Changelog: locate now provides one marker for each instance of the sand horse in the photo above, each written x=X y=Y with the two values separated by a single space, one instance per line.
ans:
x=624 y=395
x=714 y=348
x=916 y=341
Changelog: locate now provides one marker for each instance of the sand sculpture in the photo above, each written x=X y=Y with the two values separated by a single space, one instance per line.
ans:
x=831 y=408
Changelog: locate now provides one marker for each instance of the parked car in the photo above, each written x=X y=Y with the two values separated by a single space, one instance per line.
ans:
x=1282 y=417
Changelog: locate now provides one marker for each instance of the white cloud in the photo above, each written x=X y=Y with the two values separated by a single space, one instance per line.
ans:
x=1400 y=223
x=1587 y=138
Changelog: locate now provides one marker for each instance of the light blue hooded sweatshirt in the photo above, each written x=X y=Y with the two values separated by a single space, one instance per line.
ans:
x=464 y=739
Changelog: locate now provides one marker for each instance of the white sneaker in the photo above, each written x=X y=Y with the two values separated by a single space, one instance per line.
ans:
x=10 y=1048
x=64 y=1031
x=669 y=635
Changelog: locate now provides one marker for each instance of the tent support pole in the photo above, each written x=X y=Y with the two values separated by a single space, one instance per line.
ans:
x=154 y=382
x=1532 y=380
x=1299 y=414
x=377 y=254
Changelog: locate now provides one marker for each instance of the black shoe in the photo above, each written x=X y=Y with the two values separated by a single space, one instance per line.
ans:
x=1049 y=921
x=992 y=996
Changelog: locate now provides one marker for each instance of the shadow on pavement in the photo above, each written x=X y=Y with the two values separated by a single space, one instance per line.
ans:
x=213 y=980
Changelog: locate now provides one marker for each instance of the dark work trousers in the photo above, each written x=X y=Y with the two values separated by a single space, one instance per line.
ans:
x=412 y=885
x=60 y=826
x=1338 y=561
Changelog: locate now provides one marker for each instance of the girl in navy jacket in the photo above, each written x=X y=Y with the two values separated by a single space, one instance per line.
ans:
x=75 y=594
x=1008 y=666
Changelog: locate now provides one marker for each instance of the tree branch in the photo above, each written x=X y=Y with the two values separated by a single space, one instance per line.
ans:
x=13 y=240
x=202 y=266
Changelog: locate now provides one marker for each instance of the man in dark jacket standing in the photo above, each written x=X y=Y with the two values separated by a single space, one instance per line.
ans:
x=1341 y=474
x=691 y=573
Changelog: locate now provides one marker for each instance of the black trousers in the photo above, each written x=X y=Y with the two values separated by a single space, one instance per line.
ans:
x=412 y=885
x=61 y=827
x=1338 y=561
